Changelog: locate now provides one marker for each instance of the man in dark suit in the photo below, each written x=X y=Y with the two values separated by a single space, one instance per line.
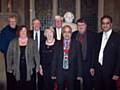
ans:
x=66 y=66
x=106 y=60
x=87 y=40
x=58 y=27
x=38 y=35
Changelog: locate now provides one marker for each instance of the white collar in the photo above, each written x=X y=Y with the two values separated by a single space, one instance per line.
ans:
x=108 y=33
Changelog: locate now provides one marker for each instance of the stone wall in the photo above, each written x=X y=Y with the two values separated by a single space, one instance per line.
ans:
x=112 y=8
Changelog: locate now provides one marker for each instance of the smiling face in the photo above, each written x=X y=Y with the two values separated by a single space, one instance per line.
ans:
x=67 y=32
x=106 y=24
x=36 y=24
x=81 y=27
x=49 y=34
x=23 y=32
x=12 y=22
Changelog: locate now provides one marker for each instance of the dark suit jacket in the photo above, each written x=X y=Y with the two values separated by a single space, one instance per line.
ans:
x=91 y=39
x=42 y=38
x=55 y=35
x=111 y=55
x=74 y=59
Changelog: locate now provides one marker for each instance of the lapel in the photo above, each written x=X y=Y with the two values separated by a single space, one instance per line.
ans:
x=70 y=50
x=55 y=32
x=109 y=41
x=99 y=41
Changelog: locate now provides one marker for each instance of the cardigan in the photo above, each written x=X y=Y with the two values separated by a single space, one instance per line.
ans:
x=31 y=55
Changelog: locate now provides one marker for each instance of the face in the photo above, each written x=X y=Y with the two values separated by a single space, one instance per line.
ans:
x=36 y=24
x=81 y=27
x=106 y=24
x=58 y=23
x=12 y=22
x=67 y=33
x=49 y=34
x=23 y=32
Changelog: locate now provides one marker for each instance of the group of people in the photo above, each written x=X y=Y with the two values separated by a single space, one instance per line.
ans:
x=58 y=58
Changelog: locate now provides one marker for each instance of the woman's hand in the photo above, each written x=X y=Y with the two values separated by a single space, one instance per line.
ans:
x=40 y=70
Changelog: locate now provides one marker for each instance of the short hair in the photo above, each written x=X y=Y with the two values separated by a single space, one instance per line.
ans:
x=81 y=20
x=58 y=17
x=36 y=19
x=108 y=17
x=68 y=27
x=20 y=28
x=12 y=16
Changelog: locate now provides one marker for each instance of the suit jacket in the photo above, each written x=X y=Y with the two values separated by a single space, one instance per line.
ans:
x=90 y=44
x=42 y=38
x=74 y=58
x=111 y=55
x=55 y=35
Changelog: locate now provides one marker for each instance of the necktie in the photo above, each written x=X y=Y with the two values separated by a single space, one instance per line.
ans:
x=106 y=36
x=81 y=39
x=36 y=38
x=65 y=58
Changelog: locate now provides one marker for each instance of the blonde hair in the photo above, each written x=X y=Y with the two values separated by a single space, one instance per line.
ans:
x=50 y=29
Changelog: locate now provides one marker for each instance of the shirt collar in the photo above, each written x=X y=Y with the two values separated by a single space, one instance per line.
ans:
x=108 y=32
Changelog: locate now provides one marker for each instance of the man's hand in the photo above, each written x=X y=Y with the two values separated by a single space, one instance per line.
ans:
x=92 y=71
x=53 y=77
x=79 y=78
x=115 y=77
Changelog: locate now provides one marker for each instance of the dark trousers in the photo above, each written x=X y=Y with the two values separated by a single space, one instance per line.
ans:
x=40 y=82
x=25 y=85
x=11 y=82
x=88 y=80
x=103 y=82
x=48 y=82
x=65 y=80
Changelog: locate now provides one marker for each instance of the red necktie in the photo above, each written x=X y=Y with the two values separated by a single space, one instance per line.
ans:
x=81 y=39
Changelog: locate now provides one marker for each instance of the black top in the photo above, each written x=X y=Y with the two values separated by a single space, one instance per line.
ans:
x=46 y=55
x=23 y=68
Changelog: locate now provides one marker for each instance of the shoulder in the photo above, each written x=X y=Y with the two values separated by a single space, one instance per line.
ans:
x=5 y=29
x=74 y=34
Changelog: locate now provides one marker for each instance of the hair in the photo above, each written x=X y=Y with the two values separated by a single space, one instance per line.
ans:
x=20 y=28
x=48 y=28
x=12 y=16
x=58 y=17
x=81 y=20
x=36 y=19
x=67 y=26
x=108 y=17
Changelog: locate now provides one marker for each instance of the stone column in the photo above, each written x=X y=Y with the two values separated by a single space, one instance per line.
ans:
x=4 y=6
x=78 y=8
x=32 y=12
x=100 y=12
x=55 y=8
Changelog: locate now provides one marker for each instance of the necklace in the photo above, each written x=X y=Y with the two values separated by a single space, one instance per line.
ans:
x=50 y=43
x=23 y=41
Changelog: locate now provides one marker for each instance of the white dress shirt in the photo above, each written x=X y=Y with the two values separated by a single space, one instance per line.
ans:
x=58 y=32
x=38 y=34
x=105 y=38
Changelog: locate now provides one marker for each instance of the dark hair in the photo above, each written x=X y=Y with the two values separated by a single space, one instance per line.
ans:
x=36 y=19
x=108 y=17
x=20 y=28
x=81 y=20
